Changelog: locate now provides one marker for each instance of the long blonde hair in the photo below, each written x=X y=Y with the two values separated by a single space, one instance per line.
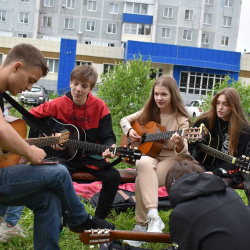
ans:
x=151 y=112
x=237 y=120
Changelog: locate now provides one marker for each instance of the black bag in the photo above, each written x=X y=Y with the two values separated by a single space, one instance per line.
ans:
x=125 y=199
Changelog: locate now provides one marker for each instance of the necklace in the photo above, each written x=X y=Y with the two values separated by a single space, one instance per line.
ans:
x=221 y=130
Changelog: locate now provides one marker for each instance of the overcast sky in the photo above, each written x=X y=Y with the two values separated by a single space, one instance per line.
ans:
x=244 y=29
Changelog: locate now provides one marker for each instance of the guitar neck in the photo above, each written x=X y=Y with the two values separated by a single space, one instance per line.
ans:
x=102 y=236
x=216 y=153
x=43 y=141
x=87 y=146
x=160 y=135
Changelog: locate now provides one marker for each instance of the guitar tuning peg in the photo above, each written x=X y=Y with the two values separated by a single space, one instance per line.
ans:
x=247 y=158
x=135 y=148
x=243 y=156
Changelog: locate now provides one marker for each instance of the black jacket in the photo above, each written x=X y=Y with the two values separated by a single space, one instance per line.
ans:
x=207 y=215
x=220 y=167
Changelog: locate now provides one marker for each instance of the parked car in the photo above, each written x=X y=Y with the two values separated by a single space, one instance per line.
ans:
x=35 y=97
x=194 y=108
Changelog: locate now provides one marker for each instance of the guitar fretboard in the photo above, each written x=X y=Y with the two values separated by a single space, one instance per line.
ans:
x=42 y=141
x=87 y=146
x=160 y=135
x=216 y=153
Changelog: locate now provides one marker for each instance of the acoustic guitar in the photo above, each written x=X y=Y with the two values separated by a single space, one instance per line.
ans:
x=8 y=159
x=207 y=151
x=153 y=136
x=76 y=145
x=98 y=236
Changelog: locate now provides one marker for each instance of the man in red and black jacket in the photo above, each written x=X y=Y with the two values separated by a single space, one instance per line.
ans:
x=91 y=116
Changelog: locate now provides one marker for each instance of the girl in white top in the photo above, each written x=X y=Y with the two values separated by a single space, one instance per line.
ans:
x=164 y=107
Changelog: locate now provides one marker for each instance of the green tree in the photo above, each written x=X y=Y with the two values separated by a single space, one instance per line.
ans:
x=242 y=88
x=126 y=88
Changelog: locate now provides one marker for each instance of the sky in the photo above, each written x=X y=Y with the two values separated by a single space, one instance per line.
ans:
x=244 y=28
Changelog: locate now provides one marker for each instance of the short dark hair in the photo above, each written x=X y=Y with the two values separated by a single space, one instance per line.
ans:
x=29 y=55
x=180 y=169
x=85 y=73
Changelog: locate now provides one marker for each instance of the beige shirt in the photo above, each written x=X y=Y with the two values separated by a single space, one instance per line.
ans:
x=169 y=122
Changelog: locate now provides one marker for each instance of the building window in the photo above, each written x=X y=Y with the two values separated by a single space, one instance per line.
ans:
x=25 y=1
x=1 y=58
x=112 y=27
x=187 y=35
x=23 y=35
x=78 y=63
x=205 y=39
x=140 y=29
x=87 y=42
x=111 y=45
x=53 y=65
x=227 y=21
x=224 y=41
x=92 y=6
x=136 y=8
x=166 y=33
x=69 y=23
x=71 y=4
x=209 y=2
x=143 y=29
x=198 y=83
x=155 y=74
x=49 y=3
x=90 y=26
x=168 y=12
x=2 y=16
x=107 y=68
x=228 y=3
x=130 y=28
x=23 y=17
x=189 y=14
x=47 y=21
x=207 y=19
x=113 y=8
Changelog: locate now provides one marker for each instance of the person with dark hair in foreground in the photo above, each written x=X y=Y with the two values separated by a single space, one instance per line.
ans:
x=207 y=215
x=45 y=189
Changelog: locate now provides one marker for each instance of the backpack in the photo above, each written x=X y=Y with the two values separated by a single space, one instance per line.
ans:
x=126 y=199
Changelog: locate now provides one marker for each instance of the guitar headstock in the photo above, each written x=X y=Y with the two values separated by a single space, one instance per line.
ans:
x=243 y=163
x=133 y=154
x=96 y=236
x=196 y=133
x=63 y=136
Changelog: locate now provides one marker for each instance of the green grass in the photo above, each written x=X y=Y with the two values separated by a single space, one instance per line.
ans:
x=68 y=240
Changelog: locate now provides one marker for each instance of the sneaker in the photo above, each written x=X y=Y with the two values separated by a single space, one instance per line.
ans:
x=7 y=231
x=135 y=243
x=155 y=224
x=92 y=223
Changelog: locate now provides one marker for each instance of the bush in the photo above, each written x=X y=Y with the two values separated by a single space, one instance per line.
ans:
x=126 y=88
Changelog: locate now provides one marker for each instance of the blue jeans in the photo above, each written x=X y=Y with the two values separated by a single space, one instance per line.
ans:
x=48 y=191
x=12 y=214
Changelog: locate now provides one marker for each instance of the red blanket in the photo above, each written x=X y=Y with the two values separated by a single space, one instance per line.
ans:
x=87 y=190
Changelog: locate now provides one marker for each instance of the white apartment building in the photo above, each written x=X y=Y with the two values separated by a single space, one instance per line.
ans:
x=210 y=24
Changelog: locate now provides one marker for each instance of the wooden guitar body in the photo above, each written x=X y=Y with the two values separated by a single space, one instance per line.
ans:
x=7 y=158
x=151 y=148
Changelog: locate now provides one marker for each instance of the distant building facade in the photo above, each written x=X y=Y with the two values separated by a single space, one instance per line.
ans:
x=210 y=24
